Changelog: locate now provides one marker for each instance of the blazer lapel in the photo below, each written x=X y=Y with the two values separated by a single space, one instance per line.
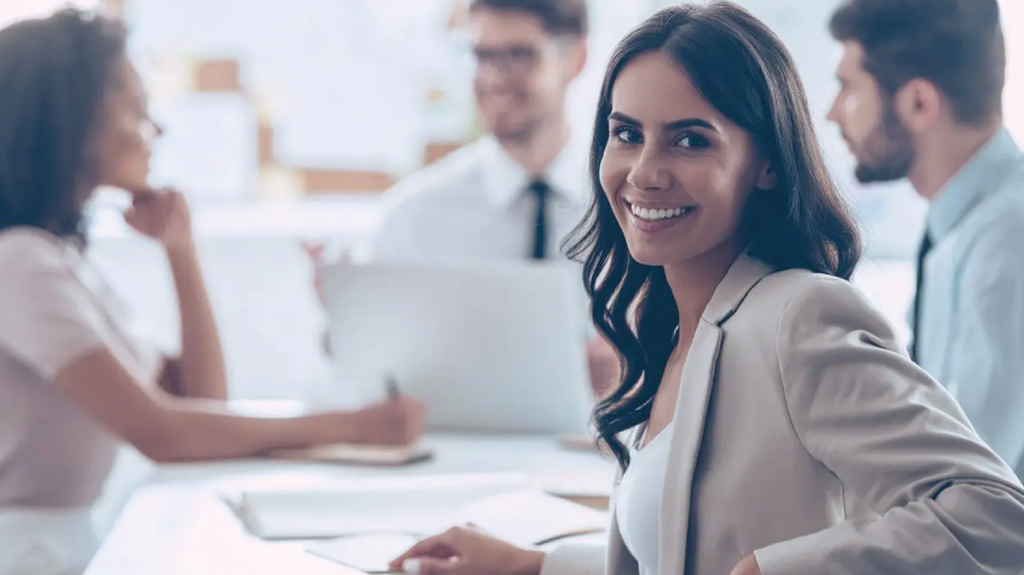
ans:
x=692 y=411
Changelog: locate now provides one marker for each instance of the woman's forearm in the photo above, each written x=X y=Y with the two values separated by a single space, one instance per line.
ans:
x=202 y=372
x=167 y=428
x=193 y=431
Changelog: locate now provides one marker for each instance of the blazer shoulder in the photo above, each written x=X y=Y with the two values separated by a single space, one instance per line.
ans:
x=786 y=288
x=805 y=303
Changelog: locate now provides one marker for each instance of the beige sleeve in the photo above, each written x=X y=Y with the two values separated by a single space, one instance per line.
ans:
x=946 y=504
x=576 y=559
x=47 y=318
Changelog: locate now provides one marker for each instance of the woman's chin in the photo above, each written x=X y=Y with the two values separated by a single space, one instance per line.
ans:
x=135 y=184
x=649 y=257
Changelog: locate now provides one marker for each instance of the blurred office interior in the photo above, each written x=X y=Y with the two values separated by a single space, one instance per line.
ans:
x=286 y=119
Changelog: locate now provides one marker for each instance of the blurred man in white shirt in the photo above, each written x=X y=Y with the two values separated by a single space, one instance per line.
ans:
x=518 y=191
x=488 y=199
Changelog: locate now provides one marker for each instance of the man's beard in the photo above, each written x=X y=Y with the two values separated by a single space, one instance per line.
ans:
x=888 y=152
x=518 y=135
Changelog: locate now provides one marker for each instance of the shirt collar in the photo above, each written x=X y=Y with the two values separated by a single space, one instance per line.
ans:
x=972 y=184
x=505 y=180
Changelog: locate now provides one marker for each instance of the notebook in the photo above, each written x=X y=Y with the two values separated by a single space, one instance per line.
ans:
x=507 y=505
x=411 y=505
x=526 y=518
x=578 y=443
x=586 y=489
x=366 y=553
x=380 y=455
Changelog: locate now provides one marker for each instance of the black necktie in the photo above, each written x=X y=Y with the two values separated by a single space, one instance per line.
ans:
x=540 y=190
x=926 y=246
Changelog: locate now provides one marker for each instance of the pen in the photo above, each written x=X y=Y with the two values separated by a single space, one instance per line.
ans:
x=392 y=386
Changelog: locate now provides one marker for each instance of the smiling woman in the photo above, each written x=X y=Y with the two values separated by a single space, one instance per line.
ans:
x=799 y=437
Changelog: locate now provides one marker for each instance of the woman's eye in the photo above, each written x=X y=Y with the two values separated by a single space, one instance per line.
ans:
x=627 y=135
x=693 y=141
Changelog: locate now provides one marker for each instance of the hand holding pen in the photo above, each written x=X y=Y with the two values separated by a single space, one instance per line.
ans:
x=398 y=420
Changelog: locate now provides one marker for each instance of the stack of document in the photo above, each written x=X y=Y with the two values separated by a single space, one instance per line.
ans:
x=526 y=518
x=377 y=516
x=507 y=505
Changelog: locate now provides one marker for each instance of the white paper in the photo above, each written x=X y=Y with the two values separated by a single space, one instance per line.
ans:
x=367 y=553
x=531 y=517
x=408 y=505
x=524 y=517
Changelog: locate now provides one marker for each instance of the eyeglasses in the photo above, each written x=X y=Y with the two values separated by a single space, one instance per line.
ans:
x=514 y=59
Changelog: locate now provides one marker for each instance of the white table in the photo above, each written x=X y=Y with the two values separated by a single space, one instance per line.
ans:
x=177 y=526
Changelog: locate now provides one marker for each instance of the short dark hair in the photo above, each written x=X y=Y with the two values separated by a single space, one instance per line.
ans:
x=957 y=45
x=803 y=222
x=56 y=74
x=560 y=17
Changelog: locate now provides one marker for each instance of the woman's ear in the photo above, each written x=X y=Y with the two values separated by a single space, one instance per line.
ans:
x=767 y=180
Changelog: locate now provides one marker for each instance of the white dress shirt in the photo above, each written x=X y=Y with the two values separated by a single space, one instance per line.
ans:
x=971 y=329
x=474 y=204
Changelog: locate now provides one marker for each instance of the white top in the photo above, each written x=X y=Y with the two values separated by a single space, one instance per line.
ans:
x=474 y=203
x=54 y=309
x=638 y=500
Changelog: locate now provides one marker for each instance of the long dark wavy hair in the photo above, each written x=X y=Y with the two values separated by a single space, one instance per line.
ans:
x=742 y=68
x=55 y=74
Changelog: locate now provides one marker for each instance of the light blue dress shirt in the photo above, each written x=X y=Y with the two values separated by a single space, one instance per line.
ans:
x=971 y=330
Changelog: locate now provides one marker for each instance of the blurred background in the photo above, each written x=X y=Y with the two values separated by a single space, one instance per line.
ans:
x=286 y=119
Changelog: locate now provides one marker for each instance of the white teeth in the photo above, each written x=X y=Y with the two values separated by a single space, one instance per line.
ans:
x=655 y=215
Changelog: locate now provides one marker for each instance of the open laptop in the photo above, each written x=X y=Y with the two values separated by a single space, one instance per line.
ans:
x=492 y=347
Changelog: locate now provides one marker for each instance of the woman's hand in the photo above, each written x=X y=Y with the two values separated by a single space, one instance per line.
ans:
x=162 y=215
x=747 y=567
x=396 y=421
x=467 y=551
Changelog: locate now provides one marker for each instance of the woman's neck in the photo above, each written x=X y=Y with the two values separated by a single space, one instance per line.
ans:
x=694 y=281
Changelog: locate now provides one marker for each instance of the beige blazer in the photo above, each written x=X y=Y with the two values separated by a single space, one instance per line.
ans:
x=803 y=434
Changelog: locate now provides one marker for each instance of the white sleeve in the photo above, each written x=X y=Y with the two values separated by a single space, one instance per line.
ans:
x=47 y=318
x=576 y=559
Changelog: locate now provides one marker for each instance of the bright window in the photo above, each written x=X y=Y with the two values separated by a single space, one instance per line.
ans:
x=1013 y=24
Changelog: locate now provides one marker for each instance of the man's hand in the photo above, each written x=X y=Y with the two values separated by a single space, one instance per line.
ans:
x=316 y=252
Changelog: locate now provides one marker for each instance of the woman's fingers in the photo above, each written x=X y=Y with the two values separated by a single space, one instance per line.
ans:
x=439 y=547
x=431 y=566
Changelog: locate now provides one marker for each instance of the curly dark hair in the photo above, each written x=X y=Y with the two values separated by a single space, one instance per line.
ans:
x=56 y=74
x=742 y=68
